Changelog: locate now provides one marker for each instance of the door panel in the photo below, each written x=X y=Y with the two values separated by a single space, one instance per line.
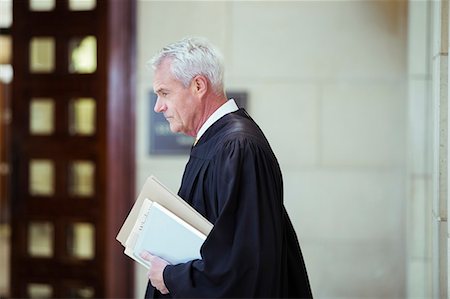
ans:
x=68 y=157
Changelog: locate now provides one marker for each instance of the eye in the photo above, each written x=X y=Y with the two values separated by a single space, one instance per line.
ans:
x=162 y=93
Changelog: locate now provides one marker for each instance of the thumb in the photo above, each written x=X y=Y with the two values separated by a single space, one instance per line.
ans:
x=146 y=255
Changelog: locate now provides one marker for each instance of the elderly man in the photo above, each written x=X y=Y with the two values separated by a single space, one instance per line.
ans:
x=233 y=179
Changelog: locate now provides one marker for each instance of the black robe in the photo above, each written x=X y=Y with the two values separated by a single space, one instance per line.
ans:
x=234 y=180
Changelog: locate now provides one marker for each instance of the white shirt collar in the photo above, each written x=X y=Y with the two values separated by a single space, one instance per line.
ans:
x=228 y=107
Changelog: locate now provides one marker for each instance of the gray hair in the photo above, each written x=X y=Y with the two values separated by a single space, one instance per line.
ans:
x=191 y=57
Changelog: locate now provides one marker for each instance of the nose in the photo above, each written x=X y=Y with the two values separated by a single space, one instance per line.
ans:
x=159 y=106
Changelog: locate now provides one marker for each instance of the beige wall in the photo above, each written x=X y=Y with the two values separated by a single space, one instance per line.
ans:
x=326 y=82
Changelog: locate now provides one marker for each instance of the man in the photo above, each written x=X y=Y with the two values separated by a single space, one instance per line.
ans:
x=233 y=179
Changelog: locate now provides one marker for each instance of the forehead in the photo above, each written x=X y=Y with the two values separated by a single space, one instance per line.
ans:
x=163 y=73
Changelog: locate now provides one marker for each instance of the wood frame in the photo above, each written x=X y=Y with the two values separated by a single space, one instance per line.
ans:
x=112 y=147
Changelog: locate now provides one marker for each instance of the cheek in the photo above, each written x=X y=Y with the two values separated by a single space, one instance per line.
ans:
x=177 y=114
x=185 y=107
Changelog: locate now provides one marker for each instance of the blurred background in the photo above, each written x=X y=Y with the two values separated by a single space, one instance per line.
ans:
x=352 y=95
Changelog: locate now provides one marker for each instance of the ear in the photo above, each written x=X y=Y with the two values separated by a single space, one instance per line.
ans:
x=199 y=85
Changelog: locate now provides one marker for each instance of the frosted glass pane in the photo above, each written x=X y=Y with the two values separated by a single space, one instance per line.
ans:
x=81 y=241
x=39 y=290
x=41 y=177
x=82 y=4
x=5 y=13
x=40 y=239
x=83 y=55
x=82 y=180
x=42 y=113
x=82 y=116
x=80 y=292
x=42 y=5
x=6 y=50
x=42 y=55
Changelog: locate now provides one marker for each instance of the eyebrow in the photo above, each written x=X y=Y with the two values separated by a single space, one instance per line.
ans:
x=160 y=90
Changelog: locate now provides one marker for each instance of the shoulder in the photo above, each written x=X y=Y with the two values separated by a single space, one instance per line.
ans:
x=236 y=131
x=239 y=125
x=240 y=131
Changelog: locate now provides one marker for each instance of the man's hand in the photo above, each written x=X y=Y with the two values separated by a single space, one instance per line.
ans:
x=155 y=274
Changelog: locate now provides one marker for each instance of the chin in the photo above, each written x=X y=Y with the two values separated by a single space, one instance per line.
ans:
x=174 y=129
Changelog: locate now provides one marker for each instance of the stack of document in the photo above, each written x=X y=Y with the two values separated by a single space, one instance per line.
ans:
x=163 y=224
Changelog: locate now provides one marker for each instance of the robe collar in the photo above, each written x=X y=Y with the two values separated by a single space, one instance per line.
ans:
x=228 y=107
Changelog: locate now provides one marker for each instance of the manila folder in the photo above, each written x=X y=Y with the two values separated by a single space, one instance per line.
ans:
x=157 y=192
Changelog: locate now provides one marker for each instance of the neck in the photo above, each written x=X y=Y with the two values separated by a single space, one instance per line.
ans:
x=212 y=102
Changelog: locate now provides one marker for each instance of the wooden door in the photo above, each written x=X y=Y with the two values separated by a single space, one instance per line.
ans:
x=72 y=147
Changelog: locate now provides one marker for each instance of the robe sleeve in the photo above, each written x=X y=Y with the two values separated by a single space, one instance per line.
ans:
x=242 y=256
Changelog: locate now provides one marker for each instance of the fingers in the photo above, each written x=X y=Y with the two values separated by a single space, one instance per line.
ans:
x=155 y=273
x=164 y=291
x=157 y=284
